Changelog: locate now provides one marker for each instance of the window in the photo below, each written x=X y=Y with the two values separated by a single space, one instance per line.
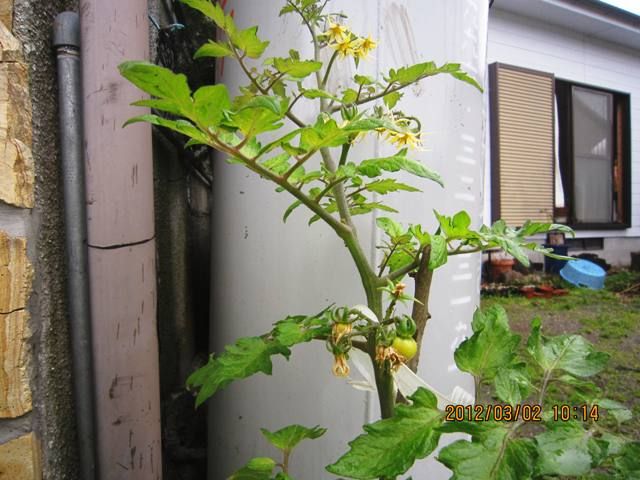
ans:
x=593 y=156
x=560 y=151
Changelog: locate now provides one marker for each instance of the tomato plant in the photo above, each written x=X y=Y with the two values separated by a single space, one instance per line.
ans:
x=373 y=337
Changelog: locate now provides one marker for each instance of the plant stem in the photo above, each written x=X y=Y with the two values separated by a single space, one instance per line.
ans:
x=324 y=80
x=420 y=311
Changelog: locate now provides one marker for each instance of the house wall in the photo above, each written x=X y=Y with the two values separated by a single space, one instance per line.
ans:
x=37 y=430
x=529 y=43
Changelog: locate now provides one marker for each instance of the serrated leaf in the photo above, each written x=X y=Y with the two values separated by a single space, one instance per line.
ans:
x=493 y=454
x=389 y=226
x=278 y=164
x=323 y=134
x=571 y=353
x=391 y=99
x=287 y=438
x=209 y=103
x=296 y=68
x=247 y=40
x=180 y=126
x=628 y=463
x=491 y=347
x=616 y=409
x=253 y=121
x=212 y=49
x=349 y=96
x=391 y=446
x=438 y=255
x=564 y=450
x=251 y=355
x=213 y=11
x=160 y=82
x=246 y=357
x=513 y=384
x=531 y=228
x=364 y=80
x=373 y=167
x=259 y=468
x=313 y=93
x=388 y=185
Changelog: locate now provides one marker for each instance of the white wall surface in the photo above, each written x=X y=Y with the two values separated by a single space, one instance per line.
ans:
x=530 y=43
x=264 y=270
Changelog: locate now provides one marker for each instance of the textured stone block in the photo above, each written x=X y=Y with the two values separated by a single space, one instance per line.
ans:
x=16 y=162
x=15 y=273
x=15 y=287
x=20 y=459
x=6 y=13
x=15 y=392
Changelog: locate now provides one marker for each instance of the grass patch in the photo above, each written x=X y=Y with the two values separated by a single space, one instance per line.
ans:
x=608 y=319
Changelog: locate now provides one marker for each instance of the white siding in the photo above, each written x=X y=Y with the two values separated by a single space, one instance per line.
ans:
x=572 y=56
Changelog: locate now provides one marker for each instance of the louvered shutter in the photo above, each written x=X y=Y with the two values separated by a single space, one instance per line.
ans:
x=522 y=144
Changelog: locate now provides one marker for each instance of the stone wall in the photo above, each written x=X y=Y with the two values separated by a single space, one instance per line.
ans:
x=19 y=446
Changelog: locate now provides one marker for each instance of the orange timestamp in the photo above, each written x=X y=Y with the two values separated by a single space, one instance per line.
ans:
x=491 y=412
x=521 y=413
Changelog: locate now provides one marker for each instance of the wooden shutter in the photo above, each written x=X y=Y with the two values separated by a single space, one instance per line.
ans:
x=522 y=144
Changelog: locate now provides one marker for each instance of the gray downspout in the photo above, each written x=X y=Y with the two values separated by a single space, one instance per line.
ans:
x=66 y=40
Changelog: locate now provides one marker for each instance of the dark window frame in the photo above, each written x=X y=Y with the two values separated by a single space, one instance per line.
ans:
x=621 y=100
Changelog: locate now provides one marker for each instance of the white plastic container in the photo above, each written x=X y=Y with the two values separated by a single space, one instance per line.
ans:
x=264 y=270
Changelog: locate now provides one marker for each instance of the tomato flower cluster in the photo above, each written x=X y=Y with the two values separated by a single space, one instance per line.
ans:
x=348 y=44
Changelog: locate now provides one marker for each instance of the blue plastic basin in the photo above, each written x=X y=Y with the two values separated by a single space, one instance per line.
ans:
x=584 y=273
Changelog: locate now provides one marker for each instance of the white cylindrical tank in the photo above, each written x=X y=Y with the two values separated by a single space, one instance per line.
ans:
x=264 y=269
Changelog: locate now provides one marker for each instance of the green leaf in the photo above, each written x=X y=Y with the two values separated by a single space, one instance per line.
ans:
x=616 y=409
x=513 y=384
x=628 y=464
x=325 y=133
x=296 y=68
x=391 y=99
x=248 y=356
x=209 y=104
x=259 y=468
x=287 y=438
x=213 y=49
x=349 y=96
x=278 y=164
x=253 y=121
x=411 y=74
x=316 y=93
x=388 y=185
x=390 y=226
x=214 y=12
x=364 y=80
x=247 y=40
x=391 y=446
x=530 y=228
x=493 y=454
x=180 y=126
x=161 y=83
x=290 y=210
x=571 y=353
x=564 y=450
x=438 y=255
x=251 y=355
x=492 y=346
x=373 y=167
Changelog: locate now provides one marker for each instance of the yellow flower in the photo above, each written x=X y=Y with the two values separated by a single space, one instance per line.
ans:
x=340 y=366
x=365 y=45
x=336 y=32
x=345 y=46
x=404 y=139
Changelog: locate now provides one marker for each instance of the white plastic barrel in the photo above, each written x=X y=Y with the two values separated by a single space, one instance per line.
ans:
x=264 y=269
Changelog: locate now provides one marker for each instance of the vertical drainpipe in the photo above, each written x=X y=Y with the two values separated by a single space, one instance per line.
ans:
x=119 y=169
x=66 y=40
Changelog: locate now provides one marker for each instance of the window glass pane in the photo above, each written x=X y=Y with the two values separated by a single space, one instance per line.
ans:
x=593 y=159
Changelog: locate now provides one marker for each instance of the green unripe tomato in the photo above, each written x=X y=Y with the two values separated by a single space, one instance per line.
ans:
x=407 y=347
